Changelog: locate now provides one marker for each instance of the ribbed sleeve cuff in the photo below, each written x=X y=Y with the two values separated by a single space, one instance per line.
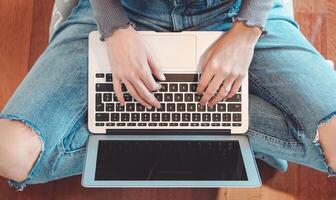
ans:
x=255 y=12
x=110 y=16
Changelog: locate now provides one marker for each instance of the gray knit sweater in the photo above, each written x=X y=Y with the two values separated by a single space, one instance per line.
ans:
x=110 y=14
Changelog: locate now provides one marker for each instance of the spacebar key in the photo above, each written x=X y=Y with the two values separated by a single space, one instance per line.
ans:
x=181 y=78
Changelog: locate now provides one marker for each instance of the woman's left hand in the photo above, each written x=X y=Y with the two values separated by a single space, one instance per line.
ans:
x=226 y=63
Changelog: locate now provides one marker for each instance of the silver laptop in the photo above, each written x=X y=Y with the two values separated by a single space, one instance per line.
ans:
x=181 y=144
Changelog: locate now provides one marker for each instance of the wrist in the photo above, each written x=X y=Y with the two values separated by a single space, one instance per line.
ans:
x=248 y=34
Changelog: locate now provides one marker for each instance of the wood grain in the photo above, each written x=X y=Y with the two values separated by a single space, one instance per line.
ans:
x=24 y=34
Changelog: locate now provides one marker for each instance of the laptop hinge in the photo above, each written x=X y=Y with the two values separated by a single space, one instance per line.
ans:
x=168 y=132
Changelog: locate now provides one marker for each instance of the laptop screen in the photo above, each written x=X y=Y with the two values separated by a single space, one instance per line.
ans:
x=169 y=160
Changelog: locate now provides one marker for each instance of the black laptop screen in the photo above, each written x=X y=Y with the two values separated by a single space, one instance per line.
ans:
x=169 y=160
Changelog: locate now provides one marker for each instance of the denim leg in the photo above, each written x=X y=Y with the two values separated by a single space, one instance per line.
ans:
x=289 y=73
x=52 y=99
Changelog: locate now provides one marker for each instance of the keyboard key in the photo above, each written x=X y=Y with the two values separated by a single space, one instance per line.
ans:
x=234 y=107
x=191 y=107
x=226 y=117
x=125 y=117
x=170 y=107
x=236 y=117
x=145 y=117
x=193 y=87
x=102 y=117
x=181 y=107
x=239 y=90
x=107 y=97
x=168 y=97
x=206 y=117
x=197 y=97
x=213 y=109
x=200 y=108
x=155 y=117
x=216 y=117
x=120 y=107
x=140 y=107
x=110 y=107
x=99 y=124
x=104 y=87
x=162 y=108
x=152 y=124
x=188 y=97
x=165 y=117
x=194 y=124
x=183 y=87
x=159 y=96
x=196 y=117
x=215 y=124
x=176 y=117
x=127 y=97
x=221 y=107
x=130 y=106
x=163 y=124
x=110 y=124
x=115 y=98
x=99 y=98
x=178 y=97
x=186 y=117
x=115 y=117
x=142 y=124
x=235 y=98
x=99 y=107
x=164 y=87
x=121 y=124
x=205 y=124
x=226 y=124
x=131 y=124
x=173 y=124
x=236 y=124
x=151 y=110
x=100 y=75
x=135 y=117
x=184 y=124
x=109 y=77
x=123 y=87
x=173 y=87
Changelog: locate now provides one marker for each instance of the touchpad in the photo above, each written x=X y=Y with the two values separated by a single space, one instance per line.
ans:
x=175 y=52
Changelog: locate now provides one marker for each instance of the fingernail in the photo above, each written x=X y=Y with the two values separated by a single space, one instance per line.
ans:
x=163 y=77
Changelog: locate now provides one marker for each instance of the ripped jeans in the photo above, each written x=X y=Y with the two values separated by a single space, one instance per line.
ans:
x=292 y=88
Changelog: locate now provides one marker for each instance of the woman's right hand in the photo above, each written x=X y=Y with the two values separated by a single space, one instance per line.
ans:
x=133 y=64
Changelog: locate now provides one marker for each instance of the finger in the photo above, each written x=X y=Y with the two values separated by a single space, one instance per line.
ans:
x=154 y=65
x=205 y=80
x=149 y=80
x=133 y=92
x=211 y=89
x=223 y=91
x=117 y=90
x=145 y=94
x=234 y=88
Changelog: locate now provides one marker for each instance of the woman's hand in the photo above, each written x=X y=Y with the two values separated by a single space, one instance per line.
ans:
x=133 y=64
x=226 y=64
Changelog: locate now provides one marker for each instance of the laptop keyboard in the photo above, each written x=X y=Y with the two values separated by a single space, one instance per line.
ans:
x=179 y=106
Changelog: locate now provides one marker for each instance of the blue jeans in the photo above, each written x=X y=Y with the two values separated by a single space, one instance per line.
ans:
x=292 y=89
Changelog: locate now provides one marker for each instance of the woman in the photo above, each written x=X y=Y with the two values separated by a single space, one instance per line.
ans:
x=43 y=127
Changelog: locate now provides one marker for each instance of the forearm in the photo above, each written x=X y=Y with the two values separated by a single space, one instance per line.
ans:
x=110 y=15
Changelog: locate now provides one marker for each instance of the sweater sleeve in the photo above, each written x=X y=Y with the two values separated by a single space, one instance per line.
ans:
x=110 y=15
x=255 y=12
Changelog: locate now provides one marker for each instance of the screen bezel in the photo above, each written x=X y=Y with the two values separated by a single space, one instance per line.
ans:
x=88 y=179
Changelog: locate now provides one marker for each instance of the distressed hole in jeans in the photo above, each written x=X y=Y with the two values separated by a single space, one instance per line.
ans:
x=325 y=141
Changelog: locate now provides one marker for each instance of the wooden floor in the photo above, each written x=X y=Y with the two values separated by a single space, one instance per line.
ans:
x=23 y=36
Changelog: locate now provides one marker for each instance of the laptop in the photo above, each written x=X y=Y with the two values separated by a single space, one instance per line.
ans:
x=182 y=144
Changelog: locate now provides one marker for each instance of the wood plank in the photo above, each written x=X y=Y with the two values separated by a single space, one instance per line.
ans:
x=15 y=33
